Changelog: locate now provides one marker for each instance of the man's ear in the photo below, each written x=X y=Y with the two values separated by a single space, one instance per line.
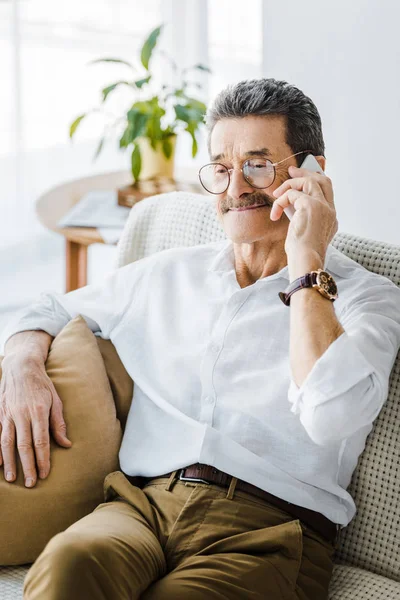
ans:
x=321 y=161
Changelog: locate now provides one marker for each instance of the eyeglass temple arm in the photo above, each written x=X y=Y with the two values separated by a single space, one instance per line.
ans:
x=283 y=160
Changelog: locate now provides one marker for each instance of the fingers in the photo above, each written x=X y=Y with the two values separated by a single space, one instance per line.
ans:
x=33 y=444
x=25 y=449
x=309 y=182
x=41 y=439
x=28 y=408
x=310 y=186
x=57 y=423
x=290 y=198
x=8 y=449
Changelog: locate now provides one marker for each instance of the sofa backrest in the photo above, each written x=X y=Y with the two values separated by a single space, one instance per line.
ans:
x=371 y=540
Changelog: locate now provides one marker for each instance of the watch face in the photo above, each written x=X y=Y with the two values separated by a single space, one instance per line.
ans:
x=327 y=283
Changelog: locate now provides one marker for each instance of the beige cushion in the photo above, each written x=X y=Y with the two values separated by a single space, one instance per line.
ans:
x=120 y=382
x=29 y=518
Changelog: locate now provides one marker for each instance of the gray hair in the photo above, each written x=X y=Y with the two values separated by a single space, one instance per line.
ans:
x=271 y=97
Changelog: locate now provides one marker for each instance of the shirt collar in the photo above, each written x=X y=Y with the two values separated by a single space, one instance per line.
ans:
x=224 y=261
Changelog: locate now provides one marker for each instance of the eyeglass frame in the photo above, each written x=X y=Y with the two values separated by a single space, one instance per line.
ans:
x=244 y=177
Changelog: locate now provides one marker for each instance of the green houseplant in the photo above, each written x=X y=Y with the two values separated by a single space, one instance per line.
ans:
x=154 y=119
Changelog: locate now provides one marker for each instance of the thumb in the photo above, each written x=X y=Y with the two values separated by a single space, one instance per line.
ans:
x=57 y=424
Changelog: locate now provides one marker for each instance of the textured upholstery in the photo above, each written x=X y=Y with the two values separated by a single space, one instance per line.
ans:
x=368 y=558
x=351 y=583
x=168 y=221
x=11 y=582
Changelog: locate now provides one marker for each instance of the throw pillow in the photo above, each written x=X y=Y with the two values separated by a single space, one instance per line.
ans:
x=30 y=517
x=120 y=381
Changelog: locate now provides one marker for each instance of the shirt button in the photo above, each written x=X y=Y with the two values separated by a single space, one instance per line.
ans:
x=209 y=400
x=214 y=347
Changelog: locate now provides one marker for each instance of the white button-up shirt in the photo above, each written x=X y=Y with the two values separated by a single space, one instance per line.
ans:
x=212 y=377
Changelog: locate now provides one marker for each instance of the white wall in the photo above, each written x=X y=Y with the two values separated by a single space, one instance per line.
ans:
x=346 y=57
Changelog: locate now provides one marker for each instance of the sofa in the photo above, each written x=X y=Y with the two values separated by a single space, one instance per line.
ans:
x=367 y=560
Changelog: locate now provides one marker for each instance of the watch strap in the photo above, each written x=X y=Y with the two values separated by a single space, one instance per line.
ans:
x=305 y=281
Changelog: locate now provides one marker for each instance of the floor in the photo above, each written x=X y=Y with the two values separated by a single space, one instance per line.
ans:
x=38 y=265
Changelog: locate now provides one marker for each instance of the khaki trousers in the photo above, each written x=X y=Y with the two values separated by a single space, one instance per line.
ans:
x=175 y=540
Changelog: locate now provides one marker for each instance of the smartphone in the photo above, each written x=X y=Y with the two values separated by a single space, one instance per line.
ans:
x=310 y=163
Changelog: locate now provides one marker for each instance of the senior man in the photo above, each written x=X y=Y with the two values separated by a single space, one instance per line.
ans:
x=254 y=390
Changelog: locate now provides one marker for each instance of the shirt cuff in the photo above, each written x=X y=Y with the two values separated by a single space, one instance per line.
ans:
x=29 y=324
x=340 y=368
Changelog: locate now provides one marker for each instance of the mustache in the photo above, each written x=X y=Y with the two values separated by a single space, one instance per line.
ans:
x=257 y=197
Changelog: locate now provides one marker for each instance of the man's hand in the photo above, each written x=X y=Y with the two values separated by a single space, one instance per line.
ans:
x=29 y=407
x=314 y=223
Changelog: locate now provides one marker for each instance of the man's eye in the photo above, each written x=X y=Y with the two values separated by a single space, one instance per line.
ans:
x=256 y=164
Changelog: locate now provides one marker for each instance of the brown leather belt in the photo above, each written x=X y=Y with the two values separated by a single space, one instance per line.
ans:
x=208 y=474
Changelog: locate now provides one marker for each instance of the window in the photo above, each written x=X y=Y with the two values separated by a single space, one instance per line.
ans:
x=235 y=42
x=46 y=47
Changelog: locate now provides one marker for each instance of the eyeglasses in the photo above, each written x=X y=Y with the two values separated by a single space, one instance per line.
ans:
x=258 y=172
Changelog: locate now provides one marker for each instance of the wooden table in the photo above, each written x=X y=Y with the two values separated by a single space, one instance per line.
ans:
x=54 y=204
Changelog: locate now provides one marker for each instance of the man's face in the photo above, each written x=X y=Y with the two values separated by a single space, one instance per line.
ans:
x=232 y=141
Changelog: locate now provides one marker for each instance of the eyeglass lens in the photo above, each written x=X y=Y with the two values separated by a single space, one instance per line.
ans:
x=259 y=173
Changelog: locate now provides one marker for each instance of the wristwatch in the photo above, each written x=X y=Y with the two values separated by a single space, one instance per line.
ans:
x=320 y=279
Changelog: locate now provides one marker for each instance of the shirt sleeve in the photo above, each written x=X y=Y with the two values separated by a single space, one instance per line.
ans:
x=102 y=305
x=348 y=385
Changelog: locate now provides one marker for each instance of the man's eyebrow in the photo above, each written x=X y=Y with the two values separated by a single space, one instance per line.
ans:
x=261 y=151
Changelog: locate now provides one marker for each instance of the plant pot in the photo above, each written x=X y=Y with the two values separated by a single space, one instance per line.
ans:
x=154 y=163
x=156 y=175
x=131 y=194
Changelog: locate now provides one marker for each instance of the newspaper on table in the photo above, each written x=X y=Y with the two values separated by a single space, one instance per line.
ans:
x=110 y=235
x=96 y=209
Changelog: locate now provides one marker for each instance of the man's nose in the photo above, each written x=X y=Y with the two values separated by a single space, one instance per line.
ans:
x=238 y=185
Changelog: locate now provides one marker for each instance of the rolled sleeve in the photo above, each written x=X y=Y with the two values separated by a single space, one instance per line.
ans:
x=350 y=367
x=348 y=385
x=103 y=305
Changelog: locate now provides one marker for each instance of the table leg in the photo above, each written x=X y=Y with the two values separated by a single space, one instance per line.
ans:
x=76 y=265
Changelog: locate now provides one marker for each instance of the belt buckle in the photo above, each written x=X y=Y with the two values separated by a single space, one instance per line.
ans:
x=194 y=479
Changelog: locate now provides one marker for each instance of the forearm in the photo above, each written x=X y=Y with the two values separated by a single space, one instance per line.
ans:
x=32 y=344
x=313 y=322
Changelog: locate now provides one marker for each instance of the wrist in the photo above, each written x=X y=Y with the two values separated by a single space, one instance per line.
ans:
x=23 y=359
x=302 y=263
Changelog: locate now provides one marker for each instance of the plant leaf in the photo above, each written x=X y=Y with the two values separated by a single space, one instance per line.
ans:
x=202 y=68
x=137 y=121
x=167 y=148
x=182 y=113
x=135 y=128
x=99 y=148
x=140 y=82
x=136 y=162
x=153 y=130
x=142 y=106
x=112 y=87
x=112 y=60
x=196 y=104
x=191 y=128
x=75 y=124
x=148 y=47
x=188 y=113
x=125 y=139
